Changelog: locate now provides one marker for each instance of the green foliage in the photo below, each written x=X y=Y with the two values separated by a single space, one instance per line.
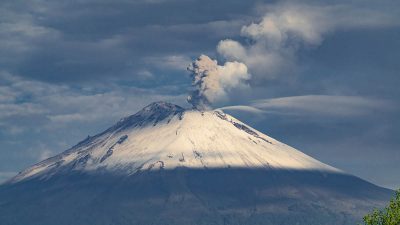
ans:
x=387 y=216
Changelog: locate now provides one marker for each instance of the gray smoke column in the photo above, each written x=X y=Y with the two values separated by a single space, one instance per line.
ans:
x=212 y=82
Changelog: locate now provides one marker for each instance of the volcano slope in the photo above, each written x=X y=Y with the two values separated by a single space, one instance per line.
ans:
x=167 y=165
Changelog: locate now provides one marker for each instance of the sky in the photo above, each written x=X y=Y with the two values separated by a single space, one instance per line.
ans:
x=322 y=77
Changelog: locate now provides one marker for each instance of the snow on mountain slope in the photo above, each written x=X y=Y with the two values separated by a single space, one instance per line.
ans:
x=166 y=136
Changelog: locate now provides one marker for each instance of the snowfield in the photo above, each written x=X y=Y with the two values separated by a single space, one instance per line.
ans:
x=165 y=136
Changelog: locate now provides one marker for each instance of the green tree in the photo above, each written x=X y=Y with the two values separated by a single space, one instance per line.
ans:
x=387 y=216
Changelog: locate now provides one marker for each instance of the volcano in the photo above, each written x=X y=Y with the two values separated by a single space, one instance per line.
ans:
x=168 y=165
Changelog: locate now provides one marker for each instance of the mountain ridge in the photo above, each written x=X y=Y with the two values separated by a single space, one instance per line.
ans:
x=207 y=134
x=166 y=165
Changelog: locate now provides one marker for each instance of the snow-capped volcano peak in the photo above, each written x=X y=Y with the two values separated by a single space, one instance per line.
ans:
x=152 y=113
x=169 y=165
x=166 y=136
x=159 y=110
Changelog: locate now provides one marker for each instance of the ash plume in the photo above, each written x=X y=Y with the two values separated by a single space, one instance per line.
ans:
x=272 y=44
x=268 y=51
x=211 y=81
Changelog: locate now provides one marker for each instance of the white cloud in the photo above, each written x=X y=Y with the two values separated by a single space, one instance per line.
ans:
x=45 y=154
x=242 y=108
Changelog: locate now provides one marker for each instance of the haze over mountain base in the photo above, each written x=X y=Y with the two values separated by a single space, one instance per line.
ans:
x=166 y=165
